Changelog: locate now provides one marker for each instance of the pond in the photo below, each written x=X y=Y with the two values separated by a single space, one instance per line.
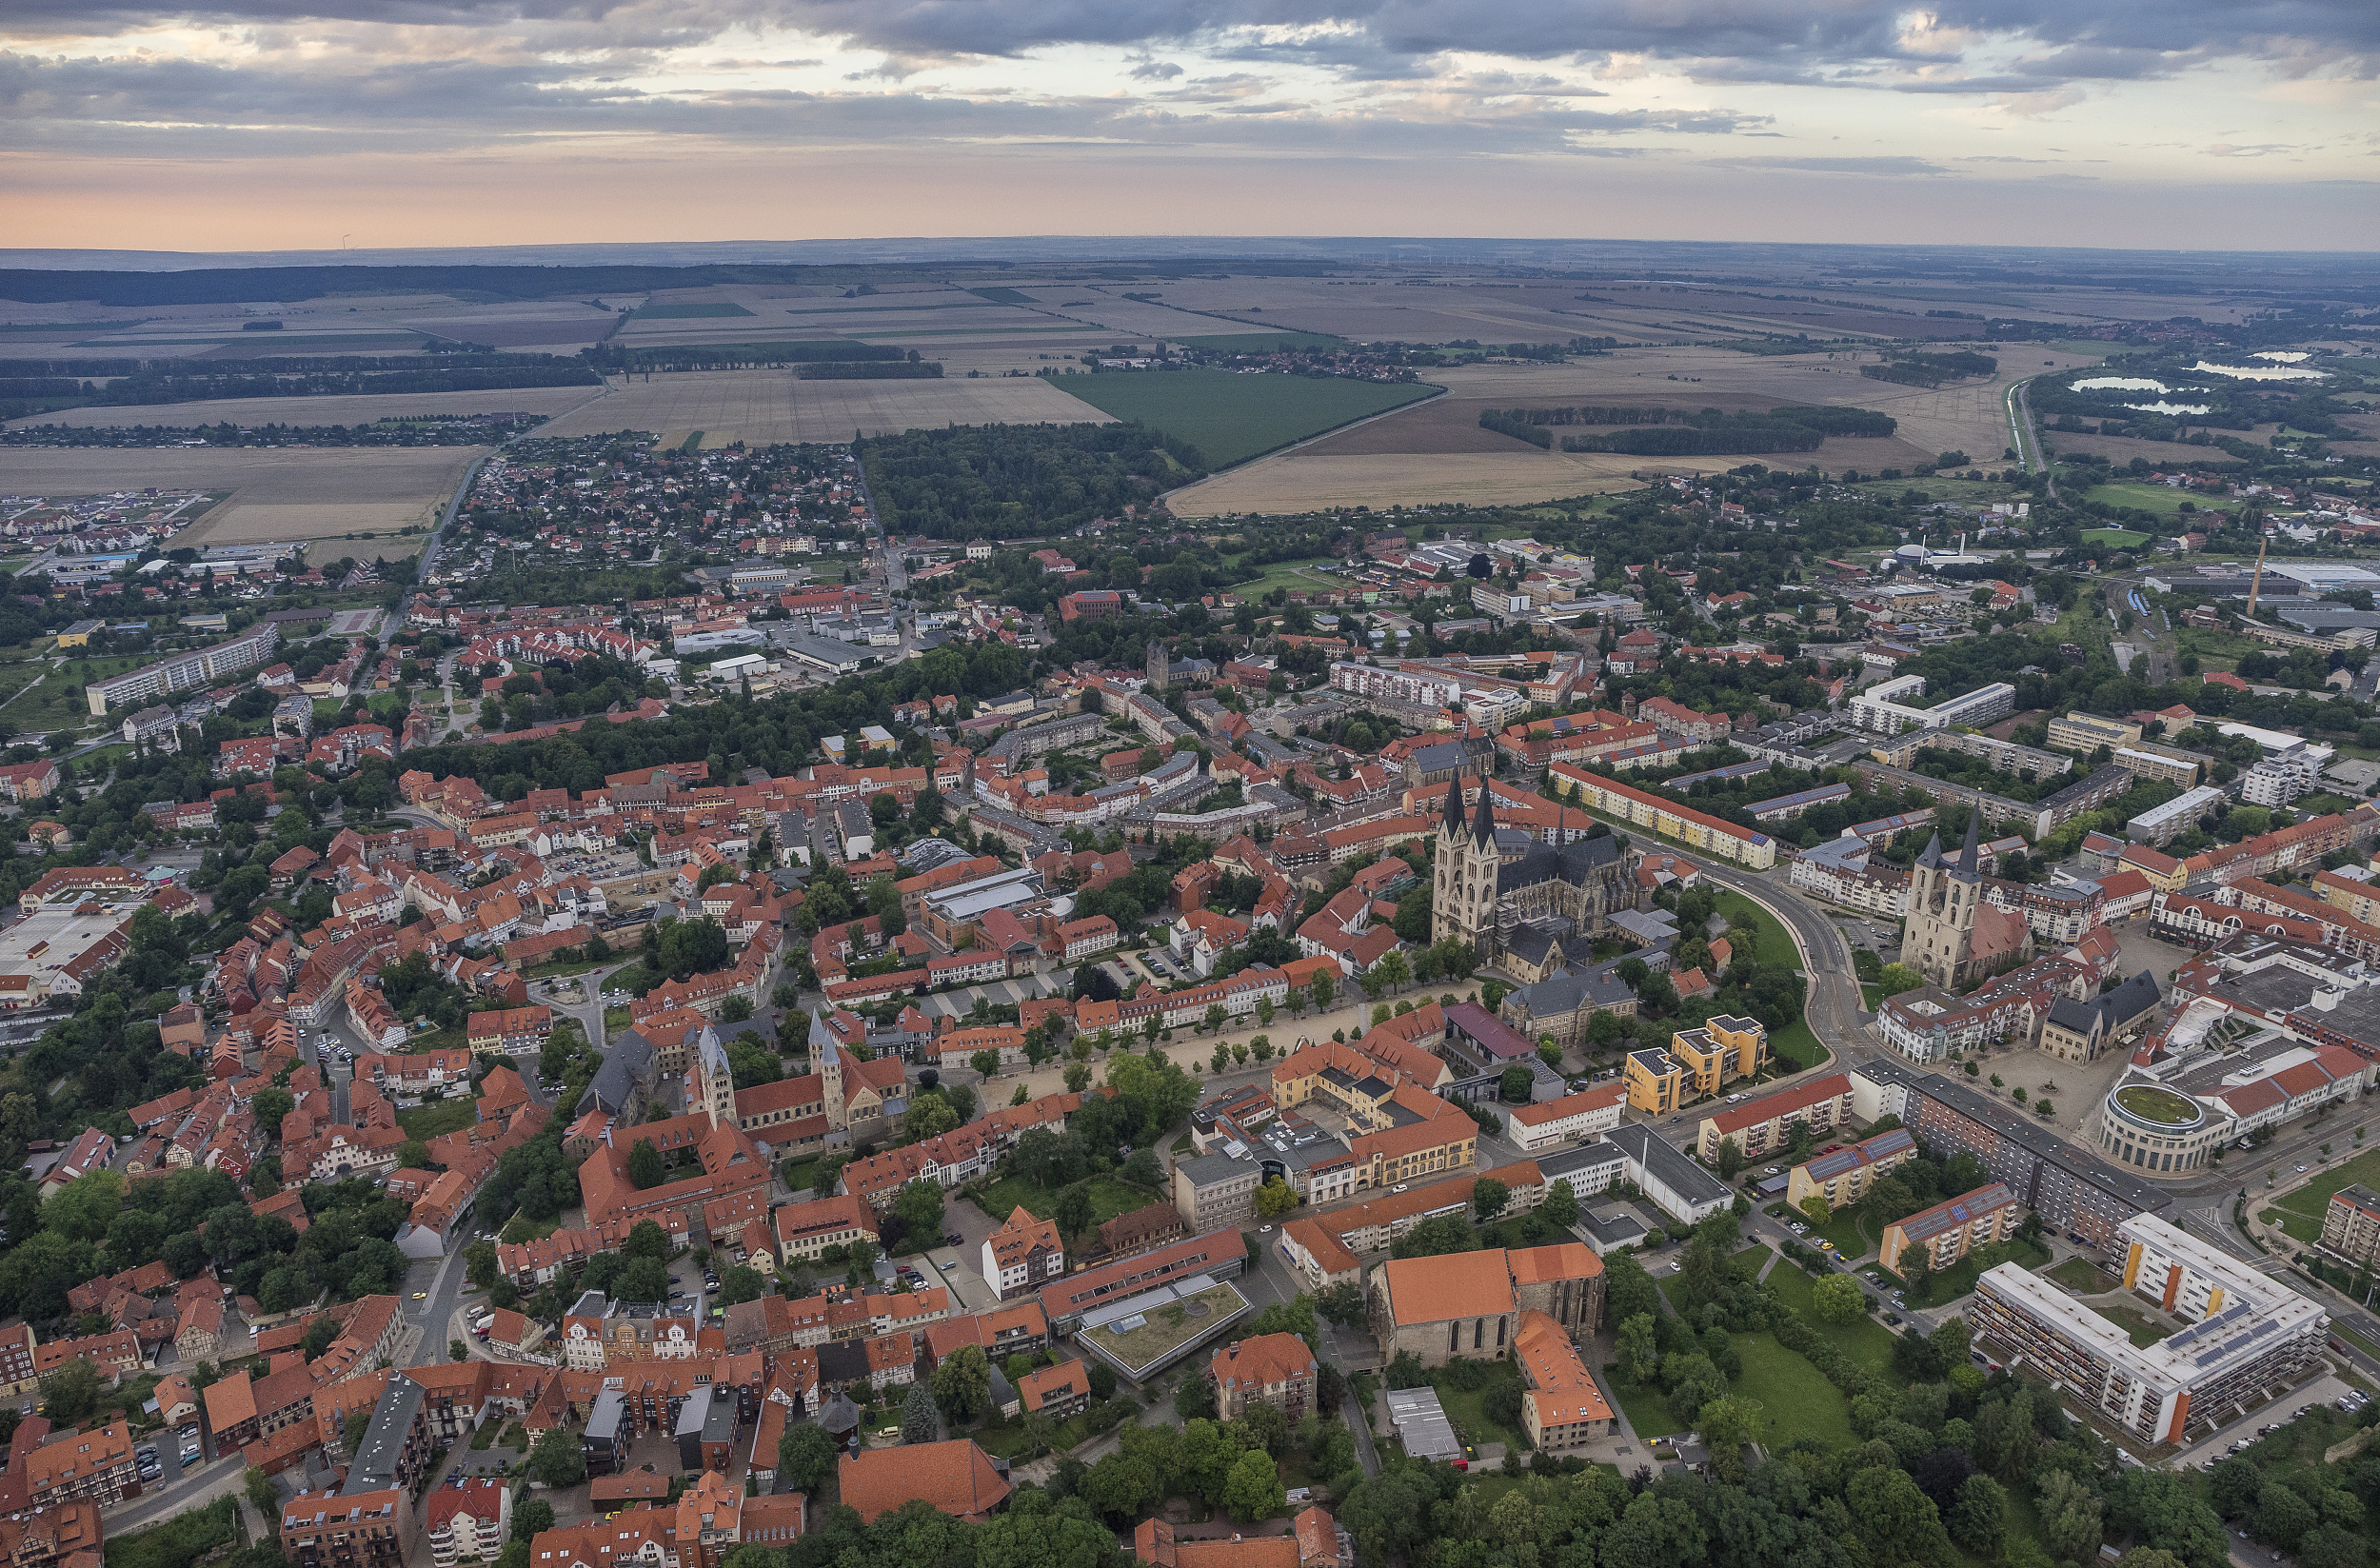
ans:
x=2169 y=407
x=2120 y=384
x=2258 y=372
x=2281 y=356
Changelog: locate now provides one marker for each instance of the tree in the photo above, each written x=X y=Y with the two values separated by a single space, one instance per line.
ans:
x=1254 y=1491
x=962 y=1383
x=929 y=1116
x=645 y=1280
x=735 y=1010
x=532 y=1519
x=645 y=1167
x=984 y=1062
x=1488 y=1198
x=919 y=1421
x=1817 y=1210
x=1436 y=1236
x=1978 y=1516
x=1514 y=1087
x=1560 y=1206
x=646 y=1240
x=2070 y=1516
x=71 y=1393
x=1898 y=1522
x=1655 y=1532
x=556 y=1459
x=1275 y=1198
x=1079 y=1078
x=806 y=1455
x=261 y=1495
x=1628 y=1290
x=740 y=1282
x=1838 y=1298
x=1950 y=1341
x=1073 y=1209
x=1729 y=1158
x=1194 y=1399
x=1639 y=1350
x=1324 y=987
x=458 y=1350
x=919 y=1206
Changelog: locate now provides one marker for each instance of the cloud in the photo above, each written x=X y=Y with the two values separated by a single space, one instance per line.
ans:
x=1156 y=70
x=1890 y=165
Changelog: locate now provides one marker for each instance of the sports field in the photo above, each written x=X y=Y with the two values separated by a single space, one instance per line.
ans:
x=1232 y=418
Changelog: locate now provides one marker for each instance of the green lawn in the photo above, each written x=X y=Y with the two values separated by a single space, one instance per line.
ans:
x=1959 y=1280
x=1794 y=1396
x=1647 y=1410
x=2079 y=1273
x=1467 y=1409
x=2122 y=539
x=2143 y=1330
x=451 y=1114
x=2309 y=1202
x=1796 y=1047
x=2148 y=498
x=1848 y=1231
x=1866 y=1342
x=1232 y=418
x=1775 y=950
x=1109 y=1198
x=1304 y=574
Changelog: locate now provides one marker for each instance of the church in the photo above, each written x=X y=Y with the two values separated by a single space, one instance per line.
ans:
x=1525 y=905
x=1955 y=939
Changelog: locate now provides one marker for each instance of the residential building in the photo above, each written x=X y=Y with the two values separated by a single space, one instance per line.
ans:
x=1549 y=1124
x=1560 y=1405
x=955 y=1477
x=1215 y=1190
x=94 y=1467
x=1057 y=1391
x=1763 y=1125
x=2350 y=1225
x=1275 y=1369
x=348 y=1529
x=470 y=1520
x=2250 y=1336
x=805 y=1230
x=1022 y=1255
x=1952 y=1230
x=1842 y=1176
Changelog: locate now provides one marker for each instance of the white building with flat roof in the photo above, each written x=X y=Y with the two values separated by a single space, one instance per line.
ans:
x=2249 y=1339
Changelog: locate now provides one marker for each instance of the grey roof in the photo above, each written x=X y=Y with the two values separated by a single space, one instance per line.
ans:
x=1573 y=864
x=376 y=1456
x=626 y=1059
x=2131 y=998
x=2082 y=1016
x=1664 y=1163
x=694 y=1411
x=1206 y=1169
x=1572 y=989
x=837 y=1414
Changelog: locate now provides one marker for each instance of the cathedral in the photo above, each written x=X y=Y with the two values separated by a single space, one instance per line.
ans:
x=1955 y=938
x=1523 y=903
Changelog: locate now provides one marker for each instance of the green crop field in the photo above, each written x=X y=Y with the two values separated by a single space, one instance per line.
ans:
x=1258 y=342
x=1232 y=418
x=1003 y=296
x=688 y=312
x=2121 y=539
x=2148 y=498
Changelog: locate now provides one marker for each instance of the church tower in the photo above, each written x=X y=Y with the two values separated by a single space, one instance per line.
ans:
x=826 y=1061
x=1943 y=901
x=714 y=1080
x=1463 y=901
x=1160 y=666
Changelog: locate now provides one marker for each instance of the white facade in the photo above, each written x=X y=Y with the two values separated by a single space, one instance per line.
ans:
x=1589 y=1114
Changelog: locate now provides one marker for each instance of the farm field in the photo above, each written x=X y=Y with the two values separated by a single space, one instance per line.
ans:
x=1231 y=418
x=312 y=493
x=2149 y=497
x=2121 y=539
x=1299 y=482
x=764 y=405
x=364 y=410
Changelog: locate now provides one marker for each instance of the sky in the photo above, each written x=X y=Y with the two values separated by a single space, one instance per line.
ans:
x=313 y=124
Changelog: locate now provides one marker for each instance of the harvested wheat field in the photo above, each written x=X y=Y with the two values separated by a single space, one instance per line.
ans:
x=757 y=407
x=1294 y=481
x=312 y=493
x=367 y=409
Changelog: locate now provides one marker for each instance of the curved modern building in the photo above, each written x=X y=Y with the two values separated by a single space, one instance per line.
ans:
x=2157 y=1130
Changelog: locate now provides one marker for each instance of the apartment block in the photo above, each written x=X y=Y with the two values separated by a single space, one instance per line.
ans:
x=1758 y=1125
x=1275 y=1369
x=2086 y=733
x=1213 y=1190
x=2350 y=1226
x=1949 y=1231
x=2250 y=1337
x=1842 y=1176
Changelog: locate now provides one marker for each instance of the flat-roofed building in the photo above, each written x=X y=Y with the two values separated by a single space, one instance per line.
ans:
x=2087 y=733
x=1213 y=1190
x=1952 y=1230
x=1723 y=1050
x=2351 y=1224
x=1842 y=1176
x=2249 y=1337
x=1590 y=1113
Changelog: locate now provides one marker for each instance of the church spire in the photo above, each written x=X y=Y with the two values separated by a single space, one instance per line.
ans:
x=1454 y=807
x=1967 y=854
x=1483 y=825
x=1933 y=856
